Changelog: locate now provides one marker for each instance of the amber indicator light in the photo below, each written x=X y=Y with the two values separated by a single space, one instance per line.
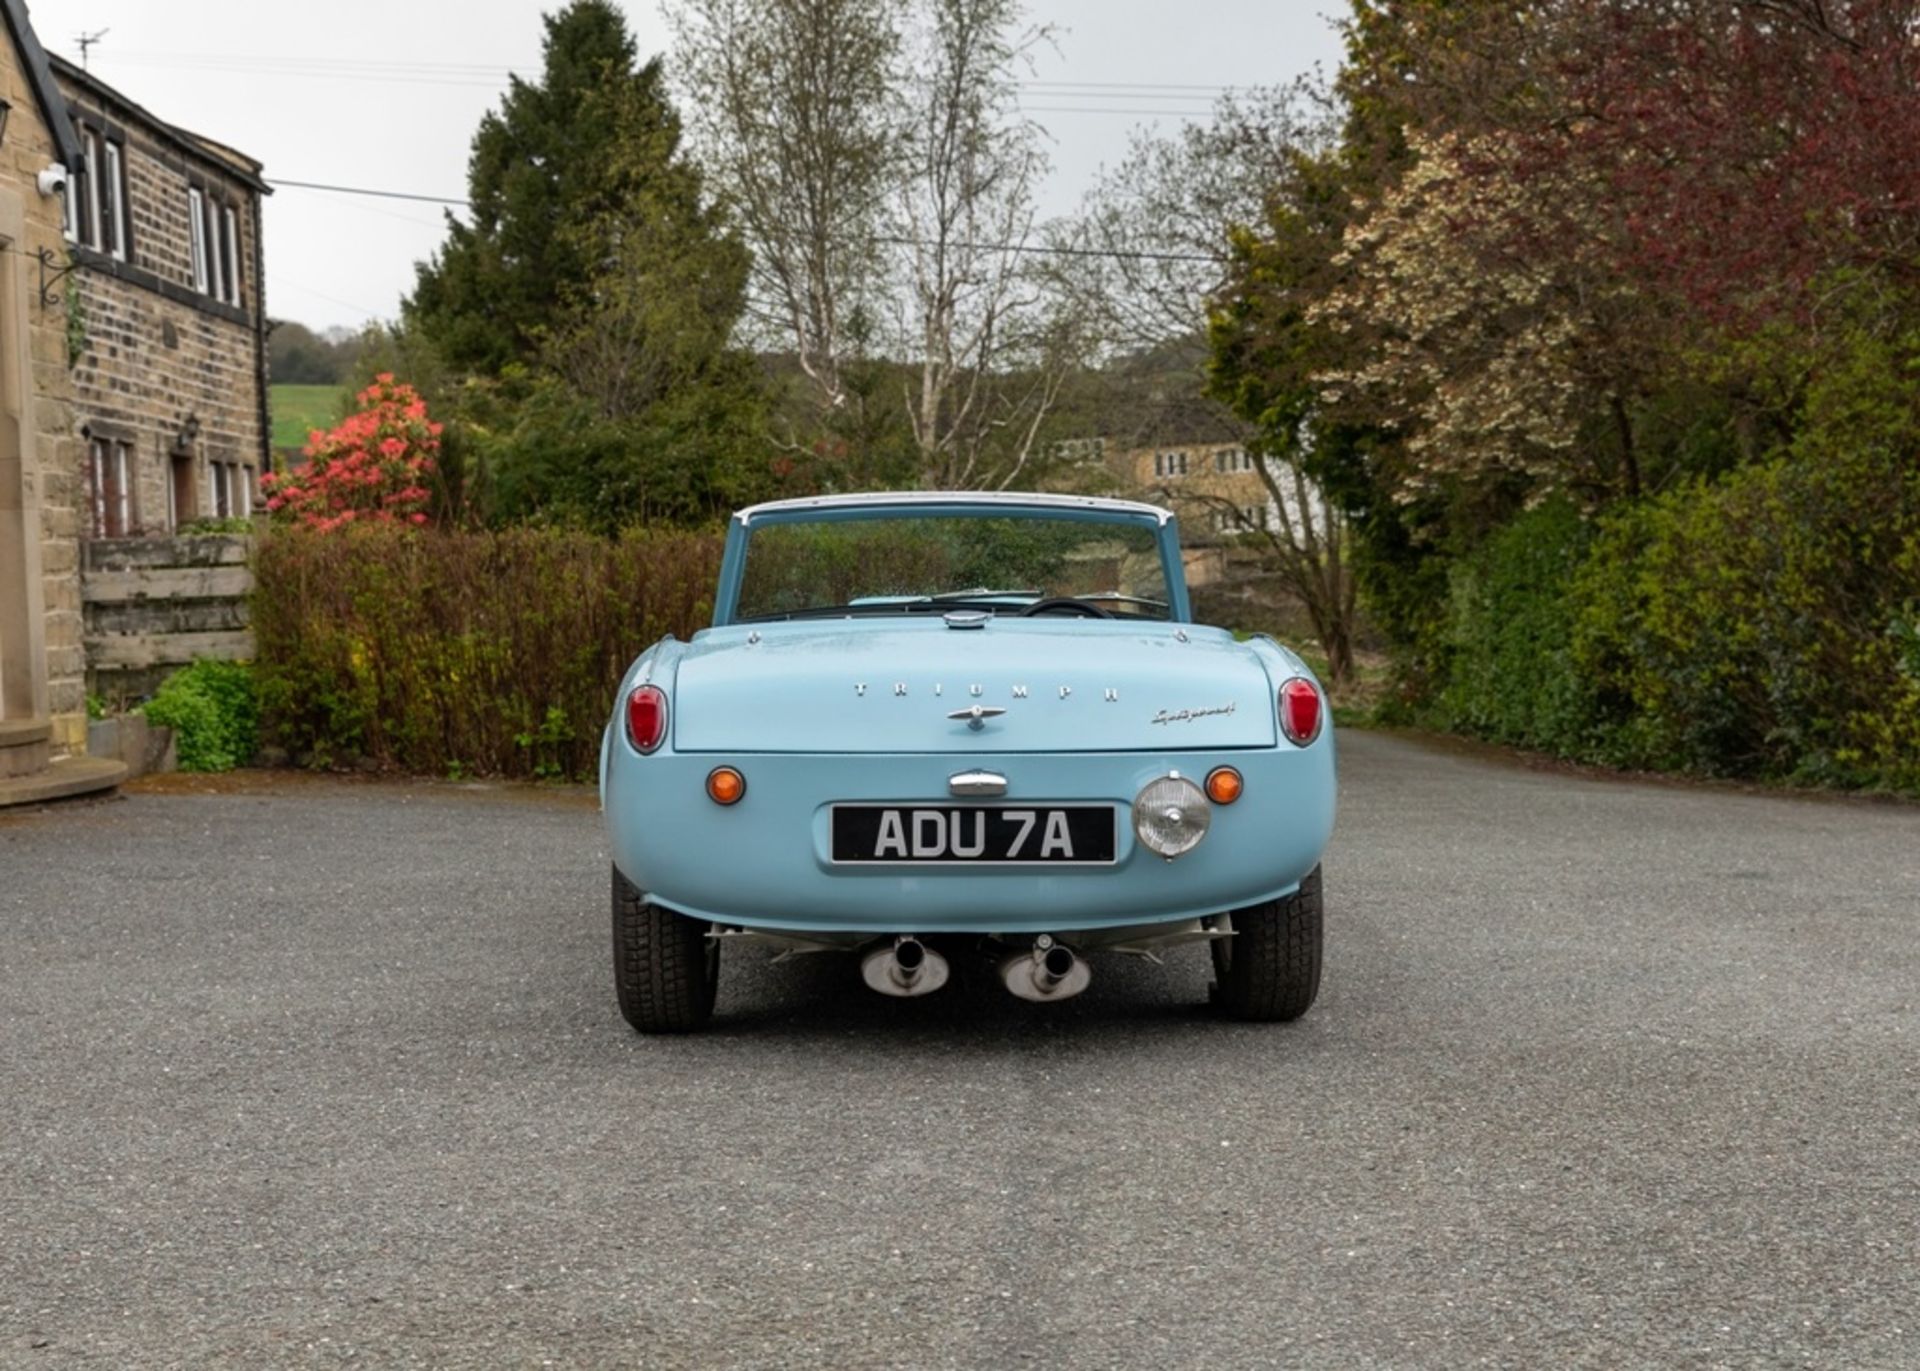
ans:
x=1224 y=785
x=725 y=786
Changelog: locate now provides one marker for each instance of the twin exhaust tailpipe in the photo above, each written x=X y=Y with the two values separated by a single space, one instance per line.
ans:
x=906 y=969
x=1049 y=971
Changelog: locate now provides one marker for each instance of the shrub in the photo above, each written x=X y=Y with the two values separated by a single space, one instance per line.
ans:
x=374 y=468
x=212 y=710
x=1758 y=626
x=464 y=652
x=1762 y=625
x=1510 y=674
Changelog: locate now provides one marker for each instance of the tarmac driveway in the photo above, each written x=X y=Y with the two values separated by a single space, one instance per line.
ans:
x=311 y=1072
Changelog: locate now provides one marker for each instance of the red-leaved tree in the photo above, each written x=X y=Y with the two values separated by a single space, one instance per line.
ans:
x=374 y=468
x=1759 y=150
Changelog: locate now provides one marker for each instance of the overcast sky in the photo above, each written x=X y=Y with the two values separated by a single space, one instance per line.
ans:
x=385 y=94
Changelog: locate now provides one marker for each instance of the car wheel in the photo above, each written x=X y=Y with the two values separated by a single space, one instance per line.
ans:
x=1269 y=970
x=665 y=967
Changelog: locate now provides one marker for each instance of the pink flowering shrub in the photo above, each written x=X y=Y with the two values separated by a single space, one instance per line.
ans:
x=373 y=469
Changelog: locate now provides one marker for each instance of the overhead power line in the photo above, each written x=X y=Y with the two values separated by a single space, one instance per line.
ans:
x=375 y=194
x=1089 y=97
x=1038 y=249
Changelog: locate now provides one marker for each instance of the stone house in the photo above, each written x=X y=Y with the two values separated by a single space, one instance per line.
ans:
x=133 y=386
x=1215 y=488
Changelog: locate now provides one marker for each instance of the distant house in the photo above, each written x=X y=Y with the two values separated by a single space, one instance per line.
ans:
x=1215 y=488
x=133 y=394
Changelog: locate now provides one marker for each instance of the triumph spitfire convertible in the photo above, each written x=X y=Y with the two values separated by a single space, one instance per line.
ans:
x=923 y=725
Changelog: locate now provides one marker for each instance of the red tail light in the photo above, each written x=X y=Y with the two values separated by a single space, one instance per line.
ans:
x=647 y=717
x=1300 y=711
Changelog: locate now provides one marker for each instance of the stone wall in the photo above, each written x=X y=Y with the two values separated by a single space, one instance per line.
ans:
x=40 y=453
x=169 y=370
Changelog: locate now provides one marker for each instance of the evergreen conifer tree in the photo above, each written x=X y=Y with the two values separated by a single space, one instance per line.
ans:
x=546 y=160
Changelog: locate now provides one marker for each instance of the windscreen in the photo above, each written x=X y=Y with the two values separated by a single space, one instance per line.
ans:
x=920 y=563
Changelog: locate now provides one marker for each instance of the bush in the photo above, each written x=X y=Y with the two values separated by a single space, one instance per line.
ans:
x=1759 y=626
x=374 y=468
x=1763 y=624
x=212 y=710
x=454 y=653
x=1510 y=675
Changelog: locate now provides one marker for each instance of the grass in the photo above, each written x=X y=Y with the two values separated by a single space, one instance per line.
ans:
x=299 y=409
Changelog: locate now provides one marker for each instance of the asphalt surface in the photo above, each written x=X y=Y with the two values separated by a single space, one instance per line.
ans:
x=314 y=1073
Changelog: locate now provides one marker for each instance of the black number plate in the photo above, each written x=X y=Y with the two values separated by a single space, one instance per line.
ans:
x=984 y=835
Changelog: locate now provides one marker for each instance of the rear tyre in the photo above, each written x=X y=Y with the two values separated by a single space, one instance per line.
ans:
x=665 y=967
x=1269 y=970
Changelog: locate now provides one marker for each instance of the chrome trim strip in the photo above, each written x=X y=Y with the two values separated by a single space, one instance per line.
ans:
x=910 y=498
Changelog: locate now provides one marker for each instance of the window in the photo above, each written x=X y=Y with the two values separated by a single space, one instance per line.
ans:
x=230 y=239
x=95 y=179
x=197 y=232
x=1232 y=459
x=96 y=201
x=217 y=252
x=230 y=490
x=110 y=472
x=1170 y=464
x=1078 y=450
x=213 y=228
x=115 y=212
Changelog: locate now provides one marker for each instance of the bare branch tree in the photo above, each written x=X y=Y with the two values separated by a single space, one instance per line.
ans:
x=1154 y=232
x=793 y=106
x=1157 y=238
x=977 y=321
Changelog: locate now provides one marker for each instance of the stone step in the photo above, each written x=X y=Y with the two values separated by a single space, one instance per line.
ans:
x=63 y=781
x=24 y=747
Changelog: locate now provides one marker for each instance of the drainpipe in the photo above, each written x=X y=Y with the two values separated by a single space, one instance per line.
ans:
x=260 y=332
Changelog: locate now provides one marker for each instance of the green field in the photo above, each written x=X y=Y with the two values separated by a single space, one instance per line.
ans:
x=299 y=409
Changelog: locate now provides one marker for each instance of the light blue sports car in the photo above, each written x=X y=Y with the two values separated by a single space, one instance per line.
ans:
x=928 y=724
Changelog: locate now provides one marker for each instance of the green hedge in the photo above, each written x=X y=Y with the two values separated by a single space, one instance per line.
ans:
x=492 y=654
x=1761 y=626
x=1509 y=636
x=1766 y=624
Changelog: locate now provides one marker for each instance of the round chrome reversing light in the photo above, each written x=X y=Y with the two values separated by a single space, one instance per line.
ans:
x=1171 y=815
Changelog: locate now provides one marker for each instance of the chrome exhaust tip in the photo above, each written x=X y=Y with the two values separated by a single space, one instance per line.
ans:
x=1051 y=971
x=908 y=968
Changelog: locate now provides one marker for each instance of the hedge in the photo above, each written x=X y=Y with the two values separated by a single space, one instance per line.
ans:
x=463 y=653
x=1764 y=625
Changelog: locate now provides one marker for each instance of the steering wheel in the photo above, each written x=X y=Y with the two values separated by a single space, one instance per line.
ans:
x=1065 y=604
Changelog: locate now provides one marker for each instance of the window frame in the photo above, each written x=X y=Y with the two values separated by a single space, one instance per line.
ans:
x=214 y=249
x=198 y=270
x=111 y=478
x=95 y=214
x=114 y=218
x=230 y=228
